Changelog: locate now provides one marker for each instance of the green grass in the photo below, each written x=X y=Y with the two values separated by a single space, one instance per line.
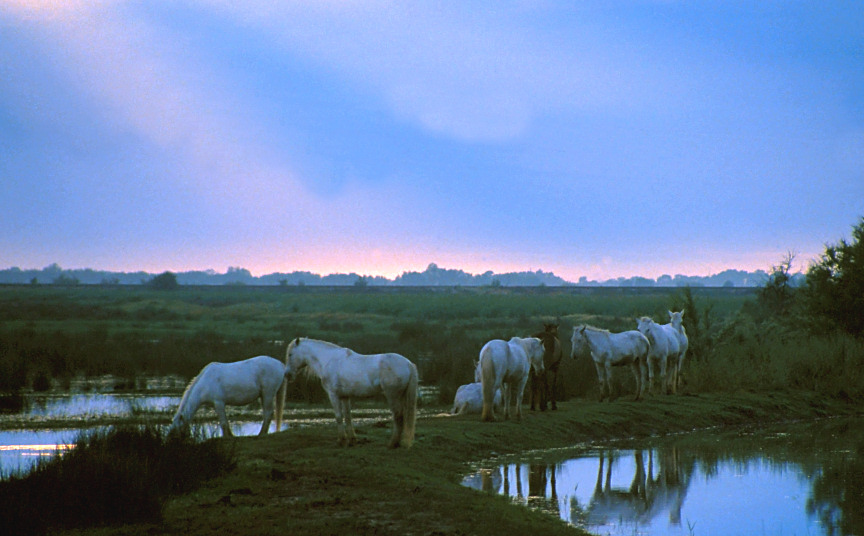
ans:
x=59 y=332
x=119 y=476
x=300 y=482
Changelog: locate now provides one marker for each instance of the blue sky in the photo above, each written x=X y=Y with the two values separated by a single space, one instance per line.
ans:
x=599 y=139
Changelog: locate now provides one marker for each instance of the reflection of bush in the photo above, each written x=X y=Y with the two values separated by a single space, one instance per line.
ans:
x=120 y=476
x=837 y=496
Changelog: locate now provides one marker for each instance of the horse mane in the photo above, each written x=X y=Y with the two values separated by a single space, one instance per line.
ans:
x=189 y=387
x=593 y=328
x=306 y=370
x=299 y=340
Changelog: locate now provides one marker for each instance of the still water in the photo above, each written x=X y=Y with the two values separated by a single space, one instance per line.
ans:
x=794 y=479
x=49 y=424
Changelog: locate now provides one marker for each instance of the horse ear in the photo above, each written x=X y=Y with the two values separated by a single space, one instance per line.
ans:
x=296 y=341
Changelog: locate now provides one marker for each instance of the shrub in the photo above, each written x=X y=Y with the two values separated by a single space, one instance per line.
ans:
x=118 y=476
x=835 y=284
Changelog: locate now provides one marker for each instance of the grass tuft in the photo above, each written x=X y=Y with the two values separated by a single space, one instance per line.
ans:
x=117 y=476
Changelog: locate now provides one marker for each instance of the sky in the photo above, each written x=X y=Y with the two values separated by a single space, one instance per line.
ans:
x=602 y=139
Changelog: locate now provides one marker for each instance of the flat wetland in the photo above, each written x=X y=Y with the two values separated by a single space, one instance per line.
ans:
x=300 y=481
x=742 y=372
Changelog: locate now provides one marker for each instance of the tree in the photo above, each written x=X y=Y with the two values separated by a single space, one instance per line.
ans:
x=777 y=296
x=835 y=284
x=164 y=281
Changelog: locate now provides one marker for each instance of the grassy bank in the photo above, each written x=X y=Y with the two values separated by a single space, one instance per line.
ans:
x=300 y=482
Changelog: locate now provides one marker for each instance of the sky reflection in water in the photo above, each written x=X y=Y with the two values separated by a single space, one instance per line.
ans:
x=808 y=481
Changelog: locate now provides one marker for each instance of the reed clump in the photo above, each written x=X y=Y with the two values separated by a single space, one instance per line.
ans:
x=121 y=475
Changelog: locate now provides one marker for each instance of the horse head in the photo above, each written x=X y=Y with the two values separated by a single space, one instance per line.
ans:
x=292 y=363
x=536 y=350
x=551 y=329
x=577 y=341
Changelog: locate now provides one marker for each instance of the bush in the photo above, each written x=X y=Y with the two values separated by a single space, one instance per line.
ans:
x=835 y=284
x=119 y=476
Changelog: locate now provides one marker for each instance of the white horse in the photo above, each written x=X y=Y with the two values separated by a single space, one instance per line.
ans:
x=504 y=365
x=469 y=399
x=346 y=375
x=235 y=384
x=676 y=319
x=612 y=350
x=664 y=349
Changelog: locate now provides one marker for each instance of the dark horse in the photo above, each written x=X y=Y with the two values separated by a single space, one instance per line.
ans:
x=540 y=392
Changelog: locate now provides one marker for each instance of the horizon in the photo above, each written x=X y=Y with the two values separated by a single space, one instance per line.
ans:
x=596 y=139
x=430 y=267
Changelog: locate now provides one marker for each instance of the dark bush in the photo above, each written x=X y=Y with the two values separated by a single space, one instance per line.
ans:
x=119 y=476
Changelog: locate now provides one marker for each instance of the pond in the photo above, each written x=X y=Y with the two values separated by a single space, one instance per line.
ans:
x=791 y=479
x=41 y=425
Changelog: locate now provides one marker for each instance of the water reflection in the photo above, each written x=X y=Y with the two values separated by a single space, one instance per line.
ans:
x=794 y=480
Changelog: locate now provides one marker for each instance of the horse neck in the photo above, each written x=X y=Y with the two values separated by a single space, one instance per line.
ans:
x=317 y=358
x=595 y=335
x=191 y=398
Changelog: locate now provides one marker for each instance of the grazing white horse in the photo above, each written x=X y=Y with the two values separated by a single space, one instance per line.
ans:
x=346 y=375
x=664 y=349
x=612 y=350
x=235 y=384
x=504 y=365
x=469 y=399
x=676 y=319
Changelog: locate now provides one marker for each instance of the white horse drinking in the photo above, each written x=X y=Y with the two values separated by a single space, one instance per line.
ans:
x=664 y=349
x=346 y=375
x=676 y=321
x=612 y=350
x=504 y=365
x=469 y=399
x=235 y=384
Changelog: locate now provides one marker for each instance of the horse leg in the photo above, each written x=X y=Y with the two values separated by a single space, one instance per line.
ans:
x=337 y=409
x=268 y=415
x=609 y=389
x=601 y=376
x=555 y=389
x=650 y=376
x=635 y=367
x=349 y=426
x=673 y=375
x=532 y=389
x=664 y=385
x=520 y=392
x=544 y=391
x=398 y=420
x=223 y=419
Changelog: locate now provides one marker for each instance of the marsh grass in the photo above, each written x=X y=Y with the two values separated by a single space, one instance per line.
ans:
x=67 y=332
x=116 y=476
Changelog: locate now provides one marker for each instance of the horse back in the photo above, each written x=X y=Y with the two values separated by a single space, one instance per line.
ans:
x=367 y=375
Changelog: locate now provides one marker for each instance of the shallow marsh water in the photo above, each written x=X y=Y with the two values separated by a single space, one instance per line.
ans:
x=791 y=479
x=48 y=424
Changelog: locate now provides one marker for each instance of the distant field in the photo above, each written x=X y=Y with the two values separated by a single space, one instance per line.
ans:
x=59 y=332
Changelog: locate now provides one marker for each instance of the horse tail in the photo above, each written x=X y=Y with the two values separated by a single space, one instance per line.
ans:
x=280 y=402
x=409 y=405
x=487 y=377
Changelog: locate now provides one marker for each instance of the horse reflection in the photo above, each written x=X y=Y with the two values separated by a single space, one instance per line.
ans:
x=649 y=495
x=542 y=488
x=488 y=480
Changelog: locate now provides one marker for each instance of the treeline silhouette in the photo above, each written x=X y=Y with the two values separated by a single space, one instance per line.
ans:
x=433 y=275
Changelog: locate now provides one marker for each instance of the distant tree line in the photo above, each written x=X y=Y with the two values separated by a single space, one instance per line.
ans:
x=431 y=276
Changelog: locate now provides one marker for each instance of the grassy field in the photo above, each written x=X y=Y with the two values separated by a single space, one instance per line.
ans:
x=745 y=368
x=300 y=482
x=50 y=334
